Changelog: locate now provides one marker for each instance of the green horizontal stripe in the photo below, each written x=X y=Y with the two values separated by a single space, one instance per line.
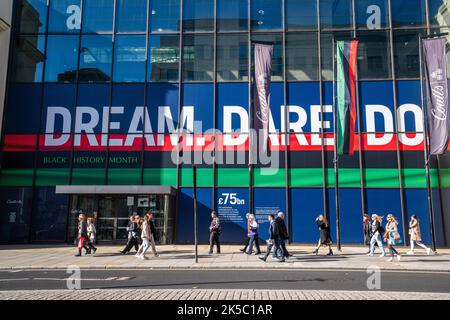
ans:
x=205 y=177
x=160 y=177
x=88 y=176
x=233 y=177
x=16 y=177
x=52 y=177
x=124 y=176
x=269 y=177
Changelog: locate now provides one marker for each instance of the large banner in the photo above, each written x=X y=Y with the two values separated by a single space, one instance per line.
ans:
x=435 y=60
x=263 y=72
x=347 y=53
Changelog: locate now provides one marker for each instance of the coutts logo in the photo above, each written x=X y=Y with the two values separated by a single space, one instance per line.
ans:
x=438 y=91
x=262 y=83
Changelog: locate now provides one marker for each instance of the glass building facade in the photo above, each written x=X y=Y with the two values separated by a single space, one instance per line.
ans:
x=98 y=88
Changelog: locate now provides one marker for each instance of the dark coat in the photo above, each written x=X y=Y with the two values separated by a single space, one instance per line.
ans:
x=82 y=229
x=368 y=232
x=273 y=231
x=325 y=236
x=282 y=229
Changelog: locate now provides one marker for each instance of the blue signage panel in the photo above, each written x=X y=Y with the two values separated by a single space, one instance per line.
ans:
x=232 y=206
x=268 y=201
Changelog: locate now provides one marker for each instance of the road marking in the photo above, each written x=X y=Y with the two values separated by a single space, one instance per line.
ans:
x=18 y=279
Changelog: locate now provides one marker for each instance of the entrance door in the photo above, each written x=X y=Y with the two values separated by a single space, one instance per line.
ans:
x=112 y=221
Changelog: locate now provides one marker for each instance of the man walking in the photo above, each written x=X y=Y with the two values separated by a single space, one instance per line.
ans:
x=254 y=239
x=283 y=236
x=273 y=238
x=247 y=215
x=214 y=233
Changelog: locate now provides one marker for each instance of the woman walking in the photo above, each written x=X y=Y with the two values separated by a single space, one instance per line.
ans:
x=83 y=238
x=415 y=235
x=133 y=234
x=377 y=233
x=147 y=237
x=254 y=239
x=325 y=236
x=91 y=233
x=392 y=237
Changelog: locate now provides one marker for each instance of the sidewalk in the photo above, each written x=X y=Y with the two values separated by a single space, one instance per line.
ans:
x=182 y=257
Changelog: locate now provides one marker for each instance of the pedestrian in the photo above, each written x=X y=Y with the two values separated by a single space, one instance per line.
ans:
x=83 y=239
x=247 y=218
x=254 y=239
x=416 y=235
x=91 y=231
x=325 y=236
x=273 y=238
x=147 y=238
x=152 y=238
x=392 y=237
x=133 y=235
x=377 y=235
x=215 y=231
x=367 y=229
x=283 y=236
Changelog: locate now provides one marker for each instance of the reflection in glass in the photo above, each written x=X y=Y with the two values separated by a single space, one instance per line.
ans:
x=408 y=13
x=131 y=16
x=266 y=14
x=164 y=15
x=95 y=58
x=33 y=16
x=29 y=58
x=277 y=61
x=372 y=14
x=198 y=15
x=164 y=58
x=374 y=55
x=301 y=56
x=439 y=11
x=130 y=58
x=98 y=16
x=336 y=13
x=62 y=57
x=65 y=16
x=406 y=53
x=232 y=58
x=327 y=51
x=232 y=15
x=301 y=14
x=198 y=58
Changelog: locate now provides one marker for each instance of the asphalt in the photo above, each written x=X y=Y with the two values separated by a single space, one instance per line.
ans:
x=398 y=281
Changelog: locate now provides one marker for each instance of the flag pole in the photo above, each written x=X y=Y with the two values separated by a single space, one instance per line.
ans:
x=426 y=154
x=194 y=177
x=336 y=156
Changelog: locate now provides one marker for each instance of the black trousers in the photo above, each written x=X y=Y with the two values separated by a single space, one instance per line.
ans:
x=214 y=239
x=132 y=242
x=246 y=243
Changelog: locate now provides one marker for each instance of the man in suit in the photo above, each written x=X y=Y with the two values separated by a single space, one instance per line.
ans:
x=274 y=239
x=284 y=235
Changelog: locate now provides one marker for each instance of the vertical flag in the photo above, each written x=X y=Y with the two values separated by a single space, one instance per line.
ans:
x=435 y=60
x=263 y=72
x=347 y=53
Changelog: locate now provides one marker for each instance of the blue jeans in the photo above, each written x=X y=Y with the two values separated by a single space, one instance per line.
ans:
x=253 y=240
x=376 y=238
x=280 y=246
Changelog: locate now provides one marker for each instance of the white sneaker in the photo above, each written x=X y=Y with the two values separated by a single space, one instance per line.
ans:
x=137 y=255
x=370 y=254
x=142 y=257
x=410 y=253
x=428 y=251
x=389 y=260
x=383 y=255
x=399 y=257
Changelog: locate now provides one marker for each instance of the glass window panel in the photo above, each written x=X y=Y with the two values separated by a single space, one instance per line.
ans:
x=406 y=53
x=33 y=16
x=232 y=57
x=277 y=62
x=98 y=16
x=408 y=13
x=130 y=58
x=374 y=55
x=301 y=56
x=266 y=14
x=198 y=58
x=131 y=16
x=29 y=58
x=336 y=13
x=198 y=15
x=372 y=14
x=301 y=14
x=164 y=15
x=444 y=30
x=15 y=204
x=439 y=12
x=232 y=15
x=164 y=58
x=327 y=51
x=62 y=58
x=65 y=16
x=95 y=58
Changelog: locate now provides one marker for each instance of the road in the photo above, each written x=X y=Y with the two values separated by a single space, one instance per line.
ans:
x=225 y=279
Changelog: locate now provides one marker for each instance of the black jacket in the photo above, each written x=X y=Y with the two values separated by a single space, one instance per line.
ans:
x=273 y=231
x=82 y=229
x=153 y=229
x=282 y=229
